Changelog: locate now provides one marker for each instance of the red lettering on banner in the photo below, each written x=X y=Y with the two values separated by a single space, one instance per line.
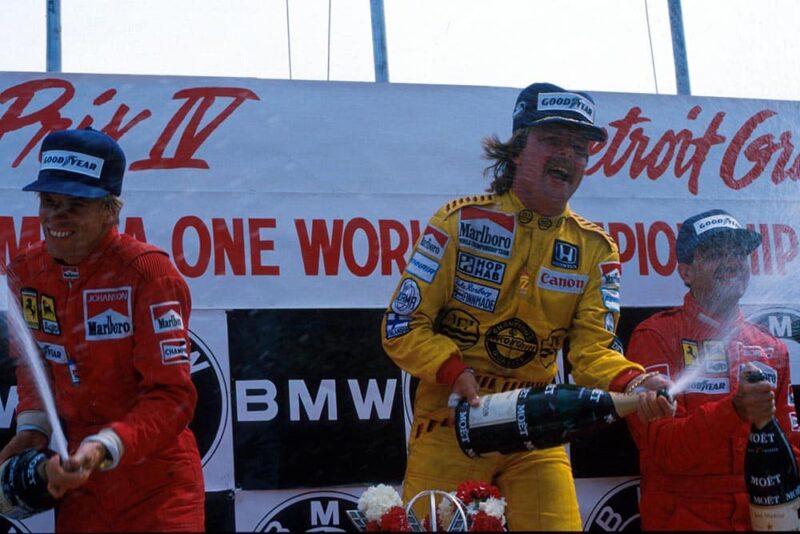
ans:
x=204 y=241
x=363 y=225
x=662 y=268
x=632 y=143
x=639 y=242
x=334 y=240
x=766 y=249
x=258 y=245
x=114 y=128
x=320 y=242
x=784 y=252
x=48 y=116
x=227 y=246
x=134 y=227
x=30 y=233
x=758 y=151
x=192 y=136
x=627 y=247
x=396 y=254
x=641 y=249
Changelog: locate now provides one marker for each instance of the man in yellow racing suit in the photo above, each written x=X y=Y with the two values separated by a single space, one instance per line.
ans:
x=495 y=285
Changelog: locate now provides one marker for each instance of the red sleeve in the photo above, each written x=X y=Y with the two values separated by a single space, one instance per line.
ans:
x=685 y=441
x=167 y=397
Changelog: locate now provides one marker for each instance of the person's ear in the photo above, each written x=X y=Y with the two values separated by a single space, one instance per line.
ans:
x=686 y=272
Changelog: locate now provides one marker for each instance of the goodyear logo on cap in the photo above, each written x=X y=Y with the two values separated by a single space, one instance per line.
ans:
x=715 y=221
x=566 y=102
x=65 y=160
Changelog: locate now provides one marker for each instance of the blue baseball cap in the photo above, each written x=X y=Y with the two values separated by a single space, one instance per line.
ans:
x=80 y=163
x=714 y=223
x=542 y=103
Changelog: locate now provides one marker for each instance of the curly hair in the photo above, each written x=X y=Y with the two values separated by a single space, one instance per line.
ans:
x=503 y=154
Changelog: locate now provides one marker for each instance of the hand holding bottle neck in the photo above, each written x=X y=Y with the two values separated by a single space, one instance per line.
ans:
x=754 y=400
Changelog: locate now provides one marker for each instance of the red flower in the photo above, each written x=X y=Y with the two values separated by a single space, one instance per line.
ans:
x=395 y=520
x=483 y=522
x=472 y=490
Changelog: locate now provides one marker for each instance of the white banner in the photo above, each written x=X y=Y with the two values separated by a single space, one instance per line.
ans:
x=308 y=194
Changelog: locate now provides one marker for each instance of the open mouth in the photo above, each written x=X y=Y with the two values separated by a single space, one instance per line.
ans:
x=59 y=234
x=559 y=173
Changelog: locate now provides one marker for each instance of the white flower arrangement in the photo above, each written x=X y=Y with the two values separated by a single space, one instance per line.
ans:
x=378 y=500
x=446 y=510
x=494 y=507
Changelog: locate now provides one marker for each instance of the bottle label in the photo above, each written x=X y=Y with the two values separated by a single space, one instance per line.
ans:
x=779 y=518
x=495 y=409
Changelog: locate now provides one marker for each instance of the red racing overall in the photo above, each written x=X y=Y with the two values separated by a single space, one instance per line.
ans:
x=114 y=332
x=693 y=465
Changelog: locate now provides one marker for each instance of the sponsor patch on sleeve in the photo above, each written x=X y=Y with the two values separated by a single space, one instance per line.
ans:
x=610 y=274
x=610 y=299
x=174 y=351
x=408 y=298
x=397 y=325
x=609 y=322
x=616 y=345
x=166 y=317
x=433 y=242
x=422 y=267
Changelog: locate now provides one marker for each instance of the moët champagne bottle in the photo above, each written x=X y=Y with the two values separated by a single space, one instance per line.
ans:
x=537 y=418
x=771 y=475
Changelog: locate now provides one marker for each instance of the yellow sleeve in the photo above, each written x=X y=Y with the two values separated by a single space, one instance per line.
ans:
x=595 y=352
x=408 y=328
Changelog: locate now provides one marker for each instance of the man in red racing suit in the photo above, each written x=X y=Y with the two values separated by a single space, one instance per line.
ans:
x=110 y=317
x=692 y=466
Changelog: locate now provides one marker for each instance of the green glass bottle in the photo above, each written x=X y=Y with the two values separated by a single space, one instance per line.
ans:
x=537 y=418
x=771 y=476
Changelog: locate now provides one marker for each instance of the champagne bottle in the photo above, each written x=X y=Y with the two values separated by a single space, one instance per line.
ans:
x=23 y=484
x=771 y=476
x=537 y=418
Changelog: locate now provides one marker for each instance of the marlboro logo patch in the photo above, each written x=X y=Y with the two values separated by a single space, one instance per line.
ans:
x=166 y=317
x=434 y=242
x=108 y=313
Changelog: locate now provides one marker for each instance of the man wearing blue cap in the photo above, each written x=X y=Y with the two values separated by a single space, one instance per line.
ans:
x=495 y=286
x=693 y=465
x=110 y=315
